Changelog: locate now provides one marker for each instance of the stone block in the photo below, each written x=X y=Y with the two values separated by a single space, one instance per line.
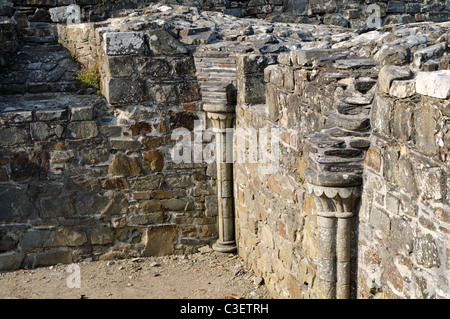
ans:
x=435 y=84
x=162 y=42
x=402 y=89
x=82 y=130
x=82 y=113
x=154 y=68
x=146 y=183
x=160 y=240
x=101 y=235
x=125 y=90
x=67 y=14
x=424 y=126
x=50 y=257
x=56 y=207
x=13 y=136
x=40 y=131
x=52 y=115
x=380 y=220
x=163 y=93
x=401 y=236
x=150 y=206
x=154 y=159
x=125 y=144
x=307 y=57
x=389 y=73
x=124 y=165
x=426 y=251
x=112 y=203
x=119 y=66
x=11 y=260
x=123 y=43
x=65 y=238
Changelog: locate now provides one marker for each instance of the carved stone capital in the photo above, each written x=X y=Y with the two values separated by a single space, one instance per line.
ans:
x=221 y=120
x=337 y=202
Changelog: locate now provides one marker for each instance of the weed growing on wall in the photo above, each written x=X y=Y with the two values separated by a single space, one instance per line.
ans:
x=88 y=77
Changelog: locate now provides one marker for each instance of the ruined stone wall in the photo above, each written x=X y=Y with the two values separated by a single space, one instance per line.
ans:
x=404 y=218
x=85 y=176
x=277 y=227
x=354 y=14
x=387 y=90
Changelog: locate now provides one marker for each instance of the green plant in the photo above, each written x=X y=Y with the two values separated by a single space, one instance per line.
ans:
x=300 y=179
x=299 y=152
x=88 y=77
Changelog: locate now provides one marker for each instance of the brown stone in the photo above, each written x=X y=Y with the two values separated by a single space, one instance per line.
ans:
x=154 y=159
x=189 y=92
x=115 y=183
x=149 y=206
x=140 y=127
x=34 y=164
x=124 y=165
x=160 y=240
x=373 y=159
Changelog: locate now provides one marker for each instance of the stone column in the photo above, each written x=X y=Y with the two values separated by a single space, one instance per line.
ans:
x=335 y=212
x=221 y=121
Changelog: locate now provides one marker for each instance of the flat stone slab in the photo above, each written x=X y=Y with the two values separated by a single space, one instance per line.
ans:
x=434 y=84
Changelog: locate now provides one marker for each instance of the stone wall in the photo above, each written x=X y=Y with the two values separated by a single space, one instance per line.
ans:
x=404 y=217
x=354 y=14
x=91 y=177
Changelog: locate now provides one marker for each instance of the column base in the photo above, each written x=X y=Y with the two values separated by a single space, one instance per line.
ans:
x=224 y=247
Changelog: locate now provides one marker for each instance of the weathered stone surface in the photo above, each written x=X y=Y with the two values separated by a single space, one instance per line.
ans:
x=389 y=73
x=81 y=130
x=148 y=207
x=426 y=251
x=124 y=165
x=160 y=240
x=34 y=165
x=11 y=260
x=65 y=238
x=392 y=54
x=162 y=42
x=68 y=14
x=123 y=43
x=101 y=235
x=116 y=204
x=13 y=136
x=82 y=113
x=403 y=89
x=56 y=207
x=125 y=90
x=154 y=160
x=434 y=84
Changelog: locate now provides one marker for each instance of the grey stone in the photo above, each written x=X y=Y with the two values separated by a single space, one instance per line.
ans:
x=401 y=236
x=40 y=131
x=388 y=73
x=11 y=260
x=82 y=130
x=13 y=136
x=391 y=54
x=10 y=197
x=123 y=43
x=56 y=207
x=426 y=251
x=82 y=113
x=162 y=42
x=125 y=90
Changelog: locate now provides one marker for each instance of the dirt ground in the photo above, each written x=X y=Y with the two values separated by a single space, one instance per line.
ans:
x=204 y=275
